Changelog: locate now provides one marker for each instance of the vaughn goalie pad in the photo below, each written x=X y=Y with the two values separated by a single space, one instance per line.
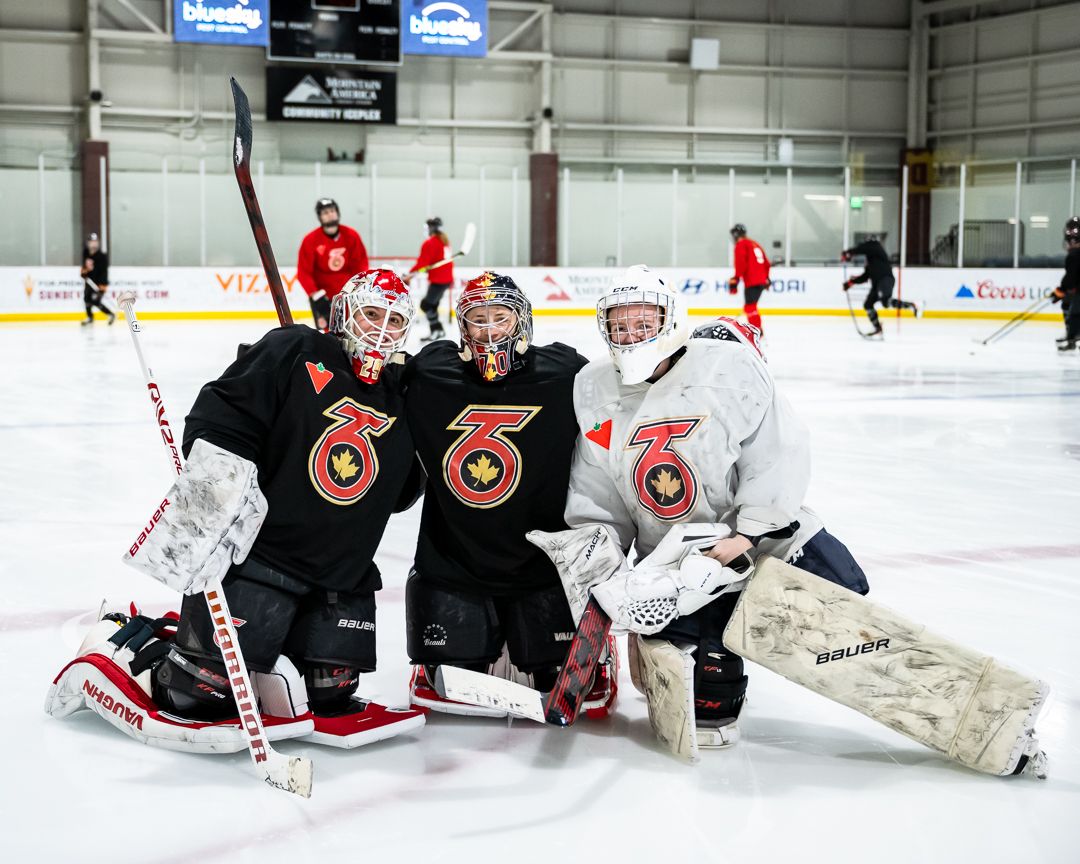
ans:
x=837 y=643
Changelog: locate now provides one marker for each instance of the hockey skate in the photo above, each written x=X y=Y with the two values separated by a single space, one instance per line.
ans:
x=436 y=332
x=363 y=722
x=1066 y=345
x=717 y=734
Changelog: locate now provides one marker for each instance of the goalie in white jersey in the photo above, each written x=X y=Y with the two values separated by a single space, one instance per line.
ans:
x=692 y=430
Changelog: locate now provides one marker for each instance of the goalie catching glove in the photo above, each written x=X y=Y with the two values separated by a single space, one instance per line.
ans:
x=675 y=579
x=208 y=521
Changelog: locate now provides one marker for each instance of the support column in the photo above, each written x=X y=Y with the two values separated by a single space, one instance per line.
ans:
x=543 y=209
x=95 y=190
x=919 y=164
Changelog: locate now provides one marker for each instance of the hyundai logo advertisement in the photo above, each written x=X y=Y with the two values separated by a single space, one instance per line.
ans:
x=453 y=29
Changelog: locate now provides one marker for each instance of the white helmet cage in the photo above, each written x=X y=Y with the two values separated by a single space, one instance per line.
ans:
x=636 y=361
x=380 y=289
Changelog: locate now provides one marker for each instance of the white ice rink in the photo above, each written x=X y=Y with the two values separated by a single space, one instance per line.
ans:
x=953 y=476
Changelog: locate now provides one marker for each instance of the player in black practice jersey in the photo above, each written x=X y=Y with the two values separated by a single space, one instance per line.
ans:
x=1069 y=288
x=879 y=274
x=493 y=421
x=95 y=274
x=322 y=433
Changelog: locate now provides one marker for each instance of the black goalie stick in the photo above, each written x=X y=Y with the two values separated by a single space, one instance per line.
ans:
x=561 y=705
x=242 y=169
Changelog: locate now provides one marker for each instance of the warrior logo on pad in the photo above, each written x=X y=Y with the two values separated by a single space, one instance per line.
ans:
x=483 y=467
x=664 y=482
x=343 y=464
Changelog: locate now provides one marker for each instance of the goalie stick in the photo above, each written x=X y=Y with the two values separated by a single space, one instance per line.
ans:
x=242 y=169
x=558 y=707
x=290 y=773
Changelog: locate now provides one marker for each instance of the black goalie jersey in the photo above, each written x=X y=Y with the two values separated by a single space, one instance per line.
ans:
x=335 y=457
x=498 y=457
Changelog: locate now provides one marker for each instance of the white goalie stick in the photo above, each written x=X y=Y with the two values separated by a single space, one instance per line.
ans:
x=290 y=773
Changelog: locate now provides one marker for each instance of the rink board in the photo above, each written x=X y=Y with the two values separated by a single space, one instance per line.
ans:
x=56 y=293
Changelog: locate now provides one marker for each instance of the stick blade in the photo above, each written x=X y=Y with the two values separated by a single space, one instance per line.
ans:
x=487 y=691
x=290 y=774
x=468 y=240
x=242 y=129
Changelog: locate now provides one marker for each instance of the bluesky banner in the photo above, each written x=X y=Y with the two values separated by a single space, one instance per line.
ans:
x=227 y=22
x=455 y=28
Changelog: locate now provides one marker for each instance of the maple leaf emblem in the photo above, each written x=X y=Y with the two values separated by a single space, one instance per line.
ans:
x=482 y=470
x=343 y=465
x=666 y=485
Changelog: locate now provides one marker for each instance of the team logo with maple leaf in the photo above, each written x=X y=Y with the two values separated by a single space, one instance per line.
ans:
x=483 y=467
x=665 y=483
x=343 y=462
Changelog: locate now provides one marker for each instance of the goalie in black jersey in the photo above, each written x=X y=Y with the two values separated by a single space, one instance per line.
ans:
x=493 y=422
x=296 y=457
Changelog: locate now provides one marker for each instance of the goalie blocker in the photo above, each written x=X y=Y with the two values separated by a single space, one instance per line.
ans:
x=959 y=702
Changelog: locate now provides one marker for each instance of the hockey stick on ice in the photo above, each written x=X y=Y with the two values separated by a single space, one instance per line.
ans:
x=854 y=318
x=1018 y=319
x=558 y=707
x=242 y=169
x=291 y=773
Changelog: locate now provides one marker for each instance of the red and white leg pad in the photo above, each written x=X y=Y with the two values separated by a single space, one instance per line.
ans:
x=99 y=679
x=370 y=722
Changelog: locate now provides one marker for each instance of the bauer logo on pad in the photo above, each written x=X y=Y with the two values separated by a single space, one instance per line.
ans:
x=320 y=376
x=601 y=434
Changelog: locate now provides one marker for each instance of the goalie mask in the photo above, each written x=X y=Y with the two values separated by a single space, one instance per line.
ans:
x=495 y=320
x=371 y=317
x=642 y=322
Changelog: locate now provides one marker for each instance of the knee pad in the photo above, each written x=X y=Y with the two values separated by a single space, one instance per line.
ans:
x=538 y=627
x=330 y=687
x=719 y=683
x=446 y=626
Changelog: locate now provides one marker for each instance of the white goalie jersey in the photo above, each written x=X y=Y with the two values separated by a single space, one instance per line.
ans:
x=711 y=441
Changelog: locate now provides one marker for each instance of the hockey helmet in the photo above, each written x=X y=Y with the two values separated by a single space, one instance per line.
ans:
x=371 y=317
x=434 y=225
x=496 y=324
x=642 y=321
x=738 y=230
x=1072 y=230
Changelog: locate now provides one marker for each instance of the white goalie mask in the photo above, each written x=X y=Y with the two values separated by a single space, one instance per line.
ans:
x=371 y=317
x=642 y=322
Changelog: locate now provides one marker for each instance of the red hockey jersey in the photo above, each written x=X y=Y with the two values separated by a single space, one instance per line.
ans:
x=327 y=263
x=431 y=252
x=751 y=264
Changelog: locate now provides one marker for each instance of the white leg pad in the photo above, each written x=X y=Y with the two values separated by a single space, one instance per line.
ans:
x=957 y=701
x=666 y=672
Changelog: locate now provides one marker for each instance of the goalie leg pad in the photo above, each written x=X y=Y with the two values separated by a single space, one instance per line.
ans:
x=104 y=678
x=333 y=628
x=957 y=701
x=667 y=674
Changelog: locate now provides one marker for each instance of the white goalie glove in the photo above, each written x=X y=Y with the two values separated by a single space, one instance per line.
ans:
x=675 y=579
x=208 y=521
x=584 y=556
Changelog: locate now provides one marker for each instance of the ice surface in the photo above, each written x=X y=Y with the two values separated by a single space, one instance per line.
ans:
x=953 y=476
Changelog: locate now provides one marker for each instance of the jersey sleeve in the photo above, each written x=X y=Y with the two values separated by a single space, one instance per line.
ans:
x=773 y=466
x=305 y=266
x=593 y=496
x=237 y=411
x=740 y=259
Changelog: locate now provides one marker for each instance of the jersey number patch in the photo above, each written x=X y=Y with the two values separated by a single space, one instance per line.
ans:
x=343 y=462
x=482 y=467
x=664 y=482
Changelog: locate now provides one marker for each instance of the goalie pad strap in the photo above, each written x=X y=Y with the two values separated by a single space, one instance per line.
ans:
x=834 y=642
